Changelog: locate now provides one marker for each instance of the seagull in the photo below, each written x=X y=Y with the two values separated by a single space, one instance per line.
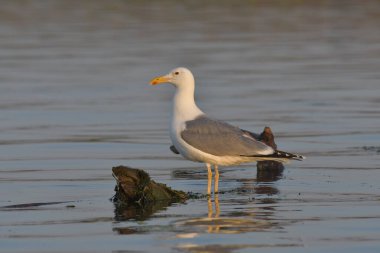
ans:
x=200 y=138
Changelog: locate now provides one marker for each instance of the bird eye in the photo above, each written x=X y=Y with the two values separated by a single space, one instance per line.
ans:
x=176 y=73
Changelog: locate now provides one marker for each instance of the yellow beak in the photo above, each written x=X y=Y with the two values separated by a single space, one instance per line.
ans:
x=158 y=80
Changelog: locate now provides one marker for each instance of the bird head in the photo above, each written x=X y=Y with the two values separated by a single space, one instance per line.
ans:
x=179 y=77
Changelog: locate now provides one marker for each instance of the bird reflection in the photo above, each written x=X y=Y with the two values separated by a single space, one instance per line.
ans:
x=214 y=223
x=213 y=228
x=246 y=221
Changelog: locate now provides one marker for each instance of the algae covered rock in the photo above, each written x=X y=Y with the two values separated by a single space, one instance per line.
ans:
x=136 y=186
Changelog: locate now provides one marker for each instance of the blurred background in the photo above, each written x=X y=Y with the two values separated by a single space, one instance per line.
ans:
x=75 y=101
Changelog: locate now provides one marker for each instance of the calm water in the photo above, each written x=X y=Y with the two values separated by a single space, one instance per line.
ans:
x=75 y=101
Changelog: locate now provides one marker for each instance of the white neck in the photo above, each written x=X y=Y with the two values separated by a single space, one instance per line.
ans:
x=184 y=107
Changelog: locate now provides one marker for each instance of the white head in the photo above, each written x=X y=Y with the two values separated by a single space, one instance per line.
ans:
x=184 y=107
x=179 y=77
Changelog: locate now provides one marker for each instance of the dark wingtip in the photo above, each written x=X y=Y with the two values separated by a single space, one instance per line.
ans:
x=298 y=157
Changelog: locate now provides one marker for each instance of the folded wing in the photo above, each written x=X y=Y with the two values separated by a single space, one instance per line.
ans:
x=222 y=139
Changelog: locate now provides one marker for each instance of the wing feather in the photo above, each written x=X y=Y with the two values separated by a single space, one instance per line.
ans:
x=222 y=139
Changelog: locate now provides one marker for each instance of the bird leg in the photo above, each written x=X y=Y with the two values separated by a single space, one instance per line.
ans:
x=216 y=180
x=209 y=178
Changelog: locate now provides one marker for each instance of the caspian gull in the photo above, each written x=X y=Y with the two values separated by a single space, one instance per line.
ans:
x=202 y=139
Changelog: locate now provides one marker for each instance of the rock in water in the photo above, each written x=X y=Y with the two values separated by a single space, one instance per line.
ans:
x=135 y=186
x=267 y=137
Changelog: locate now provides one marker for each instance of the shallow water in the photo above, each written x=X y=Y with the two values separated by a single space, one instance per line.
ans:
x=75 y=101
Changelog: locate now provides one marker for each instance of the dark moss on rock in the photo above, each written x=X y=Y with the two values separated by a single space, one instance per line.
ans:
x=136 y=186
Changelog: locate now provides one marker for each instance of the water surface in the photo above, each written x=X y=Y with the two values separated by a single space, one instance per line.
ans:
x=75 y=101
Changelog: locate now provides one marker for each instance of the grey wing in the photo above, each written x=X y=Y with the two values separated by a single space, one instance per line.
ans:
x=222 y=139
